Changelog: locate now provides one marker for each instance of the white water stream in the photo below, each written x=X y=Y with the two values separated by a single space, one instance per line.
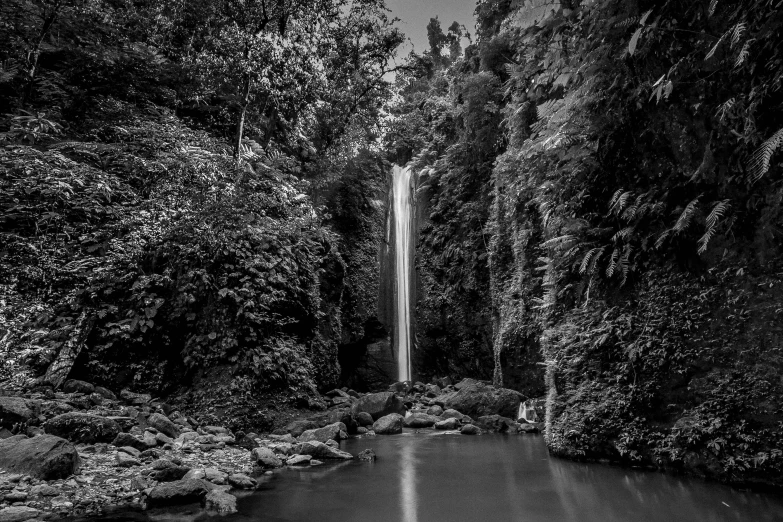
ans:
x=403 y=255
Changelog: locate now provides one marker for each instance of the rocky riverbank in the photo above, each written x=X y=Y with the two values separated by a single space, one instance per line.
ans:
x=83 y=450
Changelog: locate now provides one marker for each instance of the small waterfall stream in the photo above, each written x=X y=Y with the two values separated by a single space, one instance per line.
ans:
x=402 y=211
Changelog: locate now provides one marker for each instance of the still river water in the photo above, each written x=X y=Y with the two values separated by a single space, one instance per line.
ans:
x=432 y=476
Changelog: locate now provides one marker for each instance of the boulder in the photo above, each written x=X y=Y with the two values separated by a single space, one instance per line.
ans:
x=319 y=450
x=241 y=481
x=388 y=425
x=447 y=424
x=435 y=410
x=432 y=390
x=470 y=429
x=74 y=386
x=138 y=399
x=183 y=491
x=126 y=461
x=298 y=427
x=452 y=414
x=220 y=502
x=44 y=490
x=379 y=405
x=364 y=419
x=478 y=399
x=526 y=427
x=496 y=423
x=82 y=427
x=299 y=460
x=106 y=394
x=15 y=410
x=18 y=514
x=164 y=425
x=367 y=455
x=169 y=474
x=331 y=431
x=44 y=457
x=215 y=476
x=128 y=440
x=266 y=458
x=133 y=452
x=419 y=420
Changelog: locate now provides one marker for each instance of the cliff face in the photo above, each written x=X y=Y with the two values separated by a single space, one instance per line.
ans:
x=600 y=227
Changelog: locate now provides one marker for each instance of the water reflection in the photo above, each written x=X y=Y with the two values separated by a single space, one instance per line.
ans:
x=408 y=486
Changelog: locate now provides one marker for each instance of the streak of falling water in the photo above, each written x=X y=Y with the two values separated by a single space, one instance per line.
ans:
x=403 y=250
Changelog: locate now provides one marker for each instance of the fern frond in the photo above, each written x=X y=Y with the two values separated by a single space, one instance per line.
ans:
x=713 y=6
x=547 y=109
x=613 y=263
x=743 y=54
x=718 y=211
x=759 y=162
x=625 y=264
x=590 y=259
x=736 y=33
x=623 y=234
x=662 y=238
x=687 y=215
x=558 y=241
x=633 y=209
x=714 y=49
x=618 y=202
x=724 y=108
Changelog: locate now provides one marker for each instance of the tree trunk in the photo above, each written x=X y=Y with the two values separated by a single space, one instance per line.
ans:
x=34 y=53
x=241 y=122
x=59 y=369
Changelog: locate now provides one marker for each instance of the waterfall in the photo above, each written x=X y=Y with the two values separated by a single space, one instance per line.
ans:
x=403 y=254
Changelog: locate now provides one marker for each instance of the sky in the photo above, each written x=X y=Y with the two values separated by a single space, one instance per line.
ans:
x=416 y=14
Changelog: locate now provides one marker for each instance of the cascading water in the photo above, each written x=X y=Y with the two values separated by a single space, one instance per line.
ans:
x=403 y=254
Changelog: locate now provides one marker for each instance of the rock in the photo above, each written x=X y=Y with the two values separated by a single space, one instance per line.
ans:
x=435 y=410
x=140 y=483
x=443 y=382
x=495 y=423
x=336 y=393
x=320 y=450
x=241 y=481
x=149 y=439
x=163 y=425
x=215 y=476
x=54 y=408
x=106 y=394
x=299 y=460
x=526 y=427
x=150 y=454
x=220 y=502
x=44 y=457
x=137 y=399
x=162 y=439
x=364 y=419
x=16 y=496
x=178 y=492
x=470 y=429
x=361 y=430
x=296 y=428
x=282 y=438
x=447 y=424
x=367 y=455
x=379 y=405
x=216 y=430
x=18 y=514
x=44 y=490
x=332 y=431
x=452 y=414
x=419 y=420
x=388 y=425
x=82 y=427
x=169 y=474
x=332 y=443
x=124 y=460
x=32 y=431
x=74 y=386
x=133 y=452
x=128 y=440
x=478 y=399
x=15 y=410
x=266 y=458
x=5 y=434
x=249 y=442
x=432 y=390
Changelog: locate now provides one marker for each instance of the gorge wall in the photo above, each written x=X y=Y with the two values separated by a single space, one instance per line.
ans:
x=602 y=225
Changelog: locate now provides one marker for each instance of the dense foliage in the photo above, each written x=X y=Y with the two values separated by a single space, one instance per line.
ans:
x=171 y=172
x=603 y=186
